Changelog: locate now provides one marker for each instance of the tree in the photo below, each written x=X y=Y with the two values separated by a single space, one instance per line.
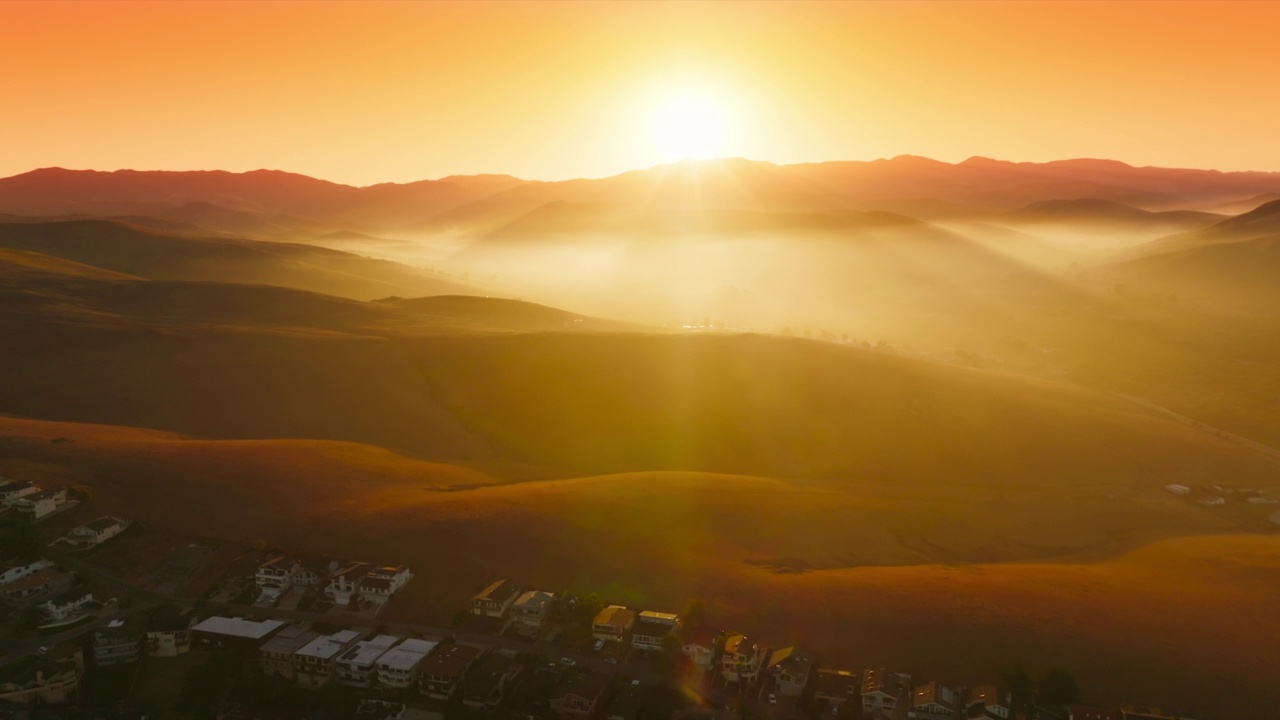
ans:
x=208 y=684
x=1058 y=686
x=695 y=615
x=1019 y=682
x=851 y=709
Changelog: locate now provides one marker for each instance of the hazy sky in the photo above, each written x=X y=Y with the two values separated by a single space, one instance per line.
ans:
x=371 y=92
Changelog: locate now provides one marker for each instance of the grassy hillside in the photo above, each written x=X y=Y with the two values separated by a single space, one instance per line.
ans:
x=155 y=255
x=863 y=572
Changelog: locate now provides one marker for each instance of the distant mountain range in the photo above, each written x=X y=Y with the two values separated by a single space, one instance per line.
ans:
x=273 y=203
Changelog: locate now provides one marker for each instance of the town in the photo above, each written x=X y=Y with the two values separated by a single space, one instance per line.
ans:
x=279 y=634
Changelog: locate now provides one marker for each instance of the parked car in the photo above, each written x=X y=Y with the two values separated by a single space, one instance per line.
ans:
x=773 y=699
x=611 y=661
x=599 y=645
x=567 y=661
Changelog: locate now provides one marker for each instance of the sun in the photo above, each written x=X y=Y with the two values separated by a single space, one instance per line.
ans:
x=689 y=125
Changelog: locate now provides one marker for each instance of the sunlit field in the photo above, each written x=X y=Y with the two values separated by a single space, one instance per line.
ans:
x=940 y=337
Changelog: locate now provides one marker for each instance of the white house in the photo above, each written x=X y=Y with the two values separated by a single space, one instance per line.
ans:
x=19 y=570
x=701 y=650
x=65 y=607
x=651 y=627
x=345 y=582
x=530 y=608
x=935 y=701
x=495 y=599
x=14 y=490
x=313 y=663
x=41 y=504
x=168 y=632
x=357 y=665
x=990 y=702
x=742 y=659
x=96 y=532
x=398 y=667
x=381 y=583
x=274 y=577
x=881 y=692
x=613 y=623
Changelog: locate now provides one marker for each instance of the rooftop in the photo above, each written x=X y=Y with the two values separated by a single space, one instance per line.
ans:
x=288 y=640
x=106 y=522
x=451 y=661
x=238 y=627
x=533 y=600
x=498 y=590
x=35 y=580
x=366 y=652
x=934 y=693
x=837 y=682
x=407 y=654
x=653 y=629
x=661 y=617
x=326 y=646
x=615 y=616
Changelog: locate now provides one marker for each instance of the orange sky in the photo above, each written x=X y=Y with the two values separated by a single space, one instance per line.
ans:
x=371 y=92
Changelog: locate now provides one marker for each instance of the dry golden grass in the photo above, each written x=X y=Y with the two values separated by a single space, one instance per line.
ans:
x=946 y=580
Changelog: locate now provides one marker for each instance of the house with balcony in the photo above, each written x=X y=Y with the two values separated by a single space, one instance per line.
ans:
x=495 y=599
x=790 y=671
x=989 y=701
x=315 y=663
x=613 y=623
x=398 y=667
x=742 y=659
x=36 y=587
x=882 y=691
x=382 y=582
x=22 y=568
x=14 y=490
x=274 y=577
x=935 y=701
x=168 y=632
x=651 y=628
x=37 y=681
x=344 y=584
x=95 y=533
x=37 y=506
x=530 y=609
x=275 y=656
x=66 y=607
x=440 y=675
x=119 y=642
x=357 y=665
x=700 y=648
x=580 y=698
x=833 y=687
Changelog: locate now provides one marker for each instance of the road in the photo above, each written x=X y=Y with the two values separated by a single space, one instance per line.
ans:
x=1267 y=450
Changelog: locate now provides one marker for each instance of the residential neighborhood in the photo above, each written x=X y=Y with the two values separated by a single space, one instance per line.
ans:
x=311 y=625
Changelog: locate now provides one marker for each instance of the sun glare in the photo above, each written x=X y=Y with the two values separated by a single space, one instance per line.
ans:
x=689 y=126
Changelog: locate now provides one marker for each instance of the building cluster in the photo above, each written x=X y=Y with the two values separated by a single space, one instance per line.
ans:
x=57 y=593
x=1219 y=495
x=339 y=582
x=30 y=501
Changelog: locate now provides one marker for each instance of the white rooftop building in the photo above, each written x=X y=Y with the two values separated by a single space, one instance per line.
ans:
x=399 y=666
x=355 y=666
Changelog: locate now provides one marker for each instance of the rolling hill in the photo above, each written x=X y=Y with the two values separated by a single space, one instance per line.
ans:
x=854 y=569
x=1230 y=266
x=134 y=250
